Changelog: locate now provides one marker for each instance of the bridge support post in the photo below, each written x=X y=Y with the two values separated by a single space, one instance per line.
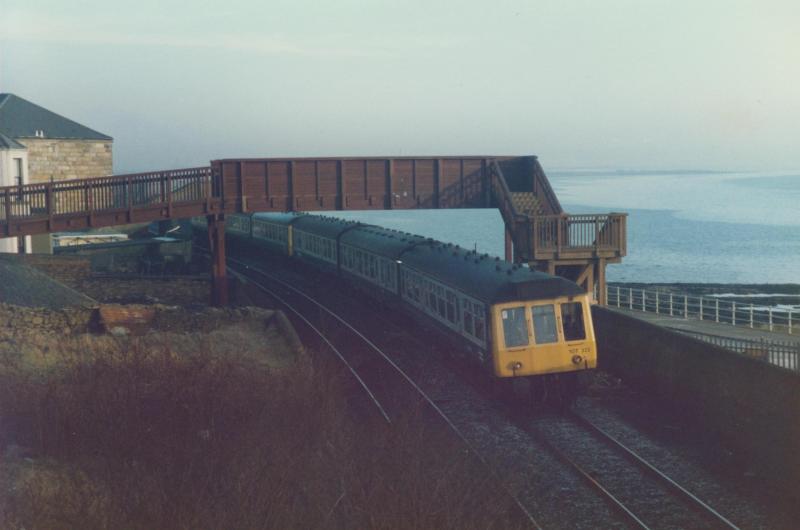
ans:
x=216 y=242
x=602 y=286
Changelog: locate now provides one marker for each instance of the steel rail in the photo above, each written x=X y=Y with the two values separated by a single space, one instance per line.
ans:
x=694 y=502
x=405 y=376
x=324 y=338
x=609 y=497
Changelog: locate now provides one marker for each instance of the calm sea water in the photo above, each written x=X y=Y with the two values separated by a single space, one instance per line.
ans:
x=682 y=226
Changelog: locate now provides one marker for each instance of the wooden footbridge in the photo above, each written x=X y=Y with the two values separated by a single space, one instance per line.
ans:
x=537 y=231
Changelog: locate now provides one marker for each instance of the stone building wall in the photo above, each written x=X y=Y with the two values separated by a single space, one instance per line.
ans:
x=67 y=159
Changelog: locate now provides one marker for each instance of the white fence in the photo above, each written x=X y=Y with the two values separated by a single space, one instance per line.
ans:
x=704 y=308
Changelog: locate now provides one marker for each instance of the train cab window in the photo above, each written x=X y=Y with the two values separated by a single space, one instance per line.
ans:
x=544 y=324
x=572 y=320
x=515 y=327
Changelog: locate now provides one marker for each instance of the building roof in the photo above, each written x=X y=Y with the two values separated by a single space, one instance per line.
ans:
x=9 y=143
x=19 y=118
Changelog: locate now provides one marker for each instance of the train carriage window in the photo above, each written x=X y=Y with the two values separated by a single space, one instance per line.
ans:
x=515 y=327
x=440 y=302
x=544 y=324
x=373 y=267
x=451 y=307
x=416 y=291
x=468 y=327
x=480 y=321
x=572 y=321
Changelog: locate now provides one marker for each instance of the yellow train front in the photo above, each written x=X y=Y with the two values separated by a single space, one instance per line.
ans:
x=543 y=336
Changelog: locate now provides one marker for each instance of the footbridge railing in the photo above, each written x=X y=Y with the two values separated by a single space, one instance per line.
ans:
x=76 y=204
x=560 y=236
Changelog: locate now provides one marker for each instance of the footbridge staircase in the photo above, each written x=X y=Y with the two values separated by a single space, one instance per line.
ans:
x=537 y=231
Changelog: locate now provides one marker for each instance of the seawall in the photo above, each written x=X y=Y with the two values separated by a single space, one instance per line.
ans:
x=754 y=407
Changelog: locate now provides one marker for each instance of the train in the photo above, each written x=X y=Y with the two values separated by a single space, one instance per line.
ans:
x=513 y=322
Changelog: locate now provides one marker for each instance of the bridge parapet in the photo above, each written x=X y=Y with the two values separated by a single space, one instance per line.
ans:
x=575 y=246
x=579 y=236
x=104 y=201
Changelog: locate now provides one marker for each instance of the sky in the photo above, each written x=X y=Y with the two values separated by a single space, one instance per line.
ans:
x=635 y=84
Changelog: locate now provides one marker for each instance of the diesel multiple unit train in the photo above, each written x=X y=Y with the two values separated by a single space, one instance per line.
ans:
x=513 y=321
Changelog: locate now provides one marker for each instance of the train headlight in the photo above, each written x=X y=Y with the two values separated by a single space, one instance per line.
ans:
x=516 y=366
x=577 y=359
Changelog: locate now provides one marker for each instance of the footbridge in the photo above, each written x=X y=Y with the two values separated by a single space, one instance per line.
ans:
x=537 y=230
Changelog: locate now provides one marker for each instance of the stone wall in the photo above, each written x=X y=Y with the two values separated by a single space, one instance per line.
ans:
x=147 y=290
x=749 y=405
x=76 y=273
x=67 y=159
x=69 y=270
x=37 y=338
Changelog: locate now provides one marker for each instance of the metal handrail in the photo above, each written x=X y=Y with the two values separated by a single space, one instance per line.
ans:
x=780 y=353
x=705 y=308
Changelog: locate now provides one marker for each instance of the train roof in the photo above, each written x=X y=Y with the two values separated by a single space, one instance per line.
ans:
x=283 y=218
x=322 y=225
x=382 y=241
x=489 y=279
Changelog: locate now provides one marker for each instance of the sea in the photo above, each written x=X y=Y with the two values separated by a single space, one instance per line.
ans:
x=683 y=226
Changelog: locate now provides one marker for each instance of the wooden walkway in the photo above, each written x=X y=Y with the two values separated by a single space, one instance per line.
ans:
x=538 y=231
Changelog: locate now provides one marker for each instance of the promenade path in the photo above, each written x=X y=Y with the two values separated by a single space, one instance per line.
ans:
x=710 y=327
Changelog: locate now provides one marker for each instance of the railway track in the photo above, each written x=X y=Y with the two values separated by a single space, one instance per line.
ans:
x=306 y=308
x=642 y=495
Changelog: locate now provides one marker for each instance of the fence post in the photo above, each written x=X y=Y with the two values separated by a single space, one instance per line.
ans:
x=770 y=318
x=701 y=308
x=644 y=300
x=790 y=322
x=751 y=316
x=670 y=304
x=716 y=311
x=733 y=313
x=685 y=307
x=630 y=299
x=618 y=297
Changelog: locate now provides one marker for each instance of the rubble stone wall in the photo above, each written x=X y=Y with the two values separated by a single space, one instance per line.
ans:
x=54 y=159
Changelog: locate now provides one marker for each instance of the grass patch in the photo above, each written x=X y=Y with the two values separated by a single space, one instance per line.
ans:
x=152 y=439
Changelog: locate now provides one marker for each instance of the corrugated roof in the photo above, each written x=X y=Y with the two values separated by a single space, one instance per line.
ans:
x=19 y=118
x=9 y=143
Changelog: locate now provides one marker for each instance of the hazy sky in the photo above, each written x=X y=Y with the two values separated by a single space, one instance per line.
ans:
x=595 y=83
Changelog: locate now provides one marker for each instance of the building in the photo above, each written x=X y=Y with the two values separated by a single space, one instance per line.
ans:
x=13 y=172
x=38 y=146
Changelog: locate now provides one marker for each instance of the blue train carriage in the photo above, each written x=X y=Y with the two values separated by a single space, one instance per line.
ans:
x=274 y=230
x=516 y=321
x=315 y=239
x=238 y=224
x=369 y=255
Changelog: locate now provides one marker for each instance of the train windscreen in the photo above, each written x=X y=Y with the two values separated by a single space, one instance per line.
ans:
x=544 y=324
x=572 y=320
x=515 y=327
